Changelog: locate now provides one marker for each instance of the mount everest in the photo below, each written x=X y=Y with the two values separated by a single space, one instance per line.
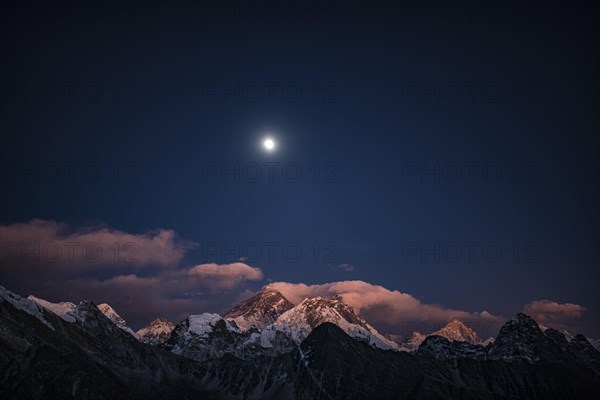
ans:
x=267 y=347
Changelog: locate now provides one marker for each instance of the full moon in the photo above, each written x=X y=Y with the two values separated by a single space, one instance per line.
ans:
x=269 y=144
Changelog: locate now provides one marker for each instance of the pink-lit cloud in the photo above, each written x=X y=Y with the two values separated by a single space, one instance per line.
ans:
x=140 y=274
x=552 y=313
x=225 y=276
x=391 y=308
x=50 y=243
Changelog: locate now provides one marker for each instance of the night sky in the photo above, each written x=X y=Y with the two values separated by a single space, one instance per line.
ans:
x=446 y=150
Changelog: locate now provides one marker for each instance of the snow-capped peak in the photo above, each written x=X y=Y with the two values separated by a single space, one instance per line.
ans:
x=158 y=331
x=69 y=312
x=196 y=330
x=29 y=306
x=299 y=321
x=260 y=310
x=62 y=309
x=116 y=319
x=454 y=331
x=458 y=332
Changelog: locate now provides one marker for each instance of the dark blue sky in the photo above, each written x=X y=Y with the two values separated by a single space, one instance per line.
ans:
x=370 y=95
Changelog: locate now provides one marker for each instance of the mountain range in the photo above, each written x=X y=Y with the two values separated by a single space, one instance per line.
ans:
x=268 y=348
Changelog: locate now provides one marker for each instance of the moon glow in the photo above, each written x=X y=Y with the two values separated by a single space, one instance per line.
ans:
x=269 y=144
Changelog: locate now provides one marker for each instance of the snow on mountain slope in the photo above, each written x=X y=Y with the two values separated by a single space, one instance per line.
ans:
x=260 y=310
x=299 y=321
x=68 y=312
x=62 y=309
x=203 y=324
x=454 y=331
x=205 y=336
x=157 y=332
x=116 y=319
x=29 y=306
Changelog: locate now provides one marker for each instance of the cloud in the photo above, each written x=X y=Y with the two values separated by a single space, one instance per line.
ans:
x=396 y=311
x=49 y=243
x=552 y=313
x=225 y=276
x=174 y=294
x=155 y=284
x=137 y=299
x=345 y=267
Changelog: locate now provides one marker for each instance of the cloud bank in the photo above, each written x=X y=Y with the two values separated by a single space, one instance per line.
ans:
x=50 y=243
x=396 y=311
x=139 y=274
x=226 y=276
x=553 y=314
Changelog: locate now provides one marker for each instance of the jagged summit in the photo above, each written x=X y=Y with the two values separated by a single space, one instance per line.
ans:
x=299 y=321
x=156 y=332
x=62 y=309
x=116 y=319
x=268 y=364
x=260 y=310
x=459 y=332
x=454 y=331
x=71 y=312
x=315 y=310
x=521 y=339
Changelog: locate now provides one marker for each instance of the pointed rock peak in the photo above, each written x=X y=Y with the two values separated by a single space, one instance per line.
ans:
x=315 y=311
x=260 y=310
x=521 y=339
x=454 y=331
x=115 y=318
x=457 y=325
x=579 y=338
x=110 y=313
x=523 y=318
x=159 y=323
x=318 y=308
x=521 y=322
x=158 y=331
